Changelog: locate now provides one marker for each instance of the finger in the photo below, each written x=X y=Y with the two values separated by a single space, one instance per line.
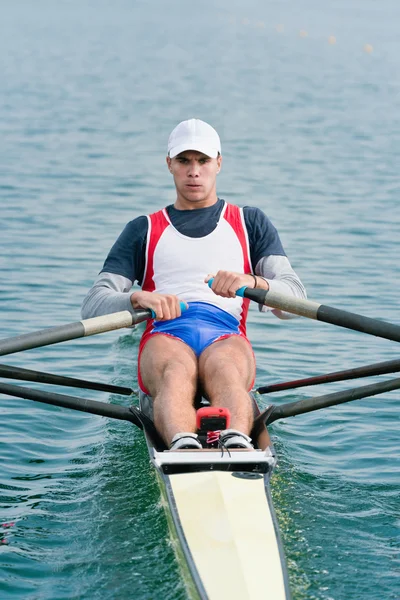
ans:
x=226 y=285
x=171 y=308
x=160 y=307
x=167 y=310
x=235 y=285
x=159 y=312
x=180 y=306
x=175 y=308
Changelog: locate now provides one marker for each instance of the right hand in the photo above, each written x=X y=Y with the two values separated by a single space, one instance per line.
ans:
x=166 y=306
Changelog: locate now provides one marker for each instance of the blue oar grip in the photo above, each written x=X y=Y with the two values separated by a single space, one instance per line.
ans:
x=183 y=308
x=239 y=292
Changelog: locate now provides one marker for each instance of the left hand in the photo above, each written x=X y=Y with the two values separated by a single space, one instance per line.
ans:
x=226 y=283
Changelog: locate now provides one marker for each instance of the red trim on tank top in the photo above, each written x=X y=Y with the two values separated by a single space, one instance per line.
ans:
x=233 y=216
x=157 y=226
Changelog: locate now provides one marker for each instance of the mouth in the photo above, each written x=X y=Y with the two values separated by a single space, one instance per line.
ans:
x=193 y=186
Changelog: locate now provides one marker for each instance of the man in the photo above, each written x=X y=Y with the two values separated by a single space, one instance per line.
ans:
x=173 y=254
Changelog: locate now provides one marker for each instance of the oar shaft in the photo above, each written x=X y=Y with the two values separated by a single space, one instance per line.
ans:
x=293 y=409
x=383 y=368
x=62 y=333
x=82 y=404
x=327 y=314
x=39 y=377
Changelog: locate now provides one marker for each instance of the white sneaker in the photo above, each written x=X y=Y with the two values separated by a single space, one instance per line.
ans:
x=185 y=441
x=232 y=438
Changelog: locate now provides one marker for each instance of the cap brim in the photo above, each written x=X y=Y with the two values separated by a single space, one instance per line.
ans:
x=211 y=152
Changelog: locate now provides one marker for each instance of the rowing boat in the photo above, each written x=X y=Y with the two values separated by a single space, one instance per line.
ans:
x=218 y=502
x=221 y=516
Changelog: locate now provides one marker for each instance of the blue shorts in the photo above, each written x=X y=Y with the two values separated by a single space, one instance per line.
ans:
x=199 y=326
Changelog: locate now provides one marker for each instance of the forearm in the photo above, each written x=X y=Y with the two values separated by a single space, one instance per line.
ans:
x=113 y=293
x=110 y=293
x=282 y=279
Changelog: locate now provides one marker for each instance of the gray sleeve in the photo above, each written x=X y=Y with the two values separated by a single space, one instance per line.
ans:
x=278 y=272
x=110 y=293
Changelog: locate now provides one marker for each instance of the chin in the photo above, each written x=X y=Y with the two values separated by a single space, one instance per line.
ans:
x=195 y=196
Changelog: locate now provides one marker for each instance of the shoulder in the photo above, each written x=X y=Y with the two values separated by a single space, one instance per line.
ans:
x=137 y=224
x=254 y=216
x=263 y=237
x=132 y=236
x=135 y=230
x=126 y=257
x=257 y=222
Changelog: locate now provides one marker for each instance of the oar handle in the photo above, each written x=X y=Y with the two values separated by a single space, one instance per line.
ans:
x=320 y=312
x=239 y=292
x=183 y=306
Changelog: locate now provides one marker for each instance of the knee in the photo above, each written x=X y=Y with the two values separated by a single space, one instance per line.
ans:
x=227 y=375
x=176 y=371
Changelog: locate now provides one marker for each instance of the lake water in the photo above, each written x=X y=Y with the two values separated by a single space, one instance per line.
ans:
x=305 y=97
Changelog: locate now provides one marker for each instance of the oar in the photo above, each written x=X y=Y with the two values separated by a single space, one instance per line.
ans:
x=38 y=376
x=383 y=368
x=327 y=314
x=292 y=409
x=114 y=411
x=320 y=312
x=71 y=331
x=78 y=329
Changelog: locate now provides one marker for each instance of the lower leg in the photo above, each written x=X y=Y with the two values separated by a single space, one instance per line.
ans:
x=239 y=404
x=227 y=371
x=173 y=406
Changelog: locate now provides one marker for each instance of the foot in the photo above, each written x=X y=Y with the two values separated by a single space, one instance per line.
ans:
x=185 y=441
x=232 y=438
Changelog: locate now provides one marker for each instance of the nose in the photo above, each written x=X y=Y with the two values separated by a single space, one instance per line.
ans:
x=194 y=169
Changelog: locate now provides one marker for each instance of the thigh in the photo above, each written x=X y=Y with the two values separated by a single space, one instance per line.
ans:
x=228 y=362
x=164 y=361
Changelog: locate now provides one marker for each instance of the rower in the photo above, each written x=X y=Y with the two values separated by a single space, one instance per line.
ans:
x=172 y=254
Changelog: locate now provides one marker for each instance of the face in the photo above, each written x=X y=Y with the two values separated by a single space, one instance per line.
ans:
x=195 y=177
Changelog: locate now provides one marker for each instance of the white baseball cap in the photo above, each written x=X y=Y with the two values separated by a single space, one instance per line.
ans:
x=194 y=135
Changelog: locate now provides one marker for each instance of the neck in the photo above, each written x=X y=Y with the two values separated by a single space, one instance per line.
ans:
x=182 y=203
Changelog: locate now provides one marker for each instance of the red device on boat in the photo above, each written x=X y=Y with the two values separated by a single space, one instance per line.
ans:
x=210 y=418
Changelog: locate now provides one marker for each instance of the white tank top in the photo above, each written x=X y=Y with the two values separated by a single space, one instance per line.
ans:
x=178 y=264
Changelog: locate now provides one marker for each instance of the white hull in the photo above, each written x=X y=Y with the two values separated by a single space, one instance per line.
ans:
x=224 y=524
x=222 y=521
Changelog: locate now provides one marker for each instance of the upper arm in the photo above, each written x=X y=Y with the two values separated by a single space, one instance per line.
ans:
x=128 y=254
x=264 y=239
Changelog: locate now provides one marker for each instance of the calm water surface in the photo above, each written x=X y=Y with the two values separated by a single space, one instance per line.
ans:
x=310 y=129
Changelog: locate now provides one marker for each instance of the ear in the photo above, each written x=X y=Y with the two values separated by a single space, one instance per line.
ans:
x=219 y=163
x=169 y=163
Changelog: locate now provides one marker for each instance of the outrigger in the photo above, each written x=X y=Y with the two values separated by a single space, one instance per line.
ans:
x=218 y=502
